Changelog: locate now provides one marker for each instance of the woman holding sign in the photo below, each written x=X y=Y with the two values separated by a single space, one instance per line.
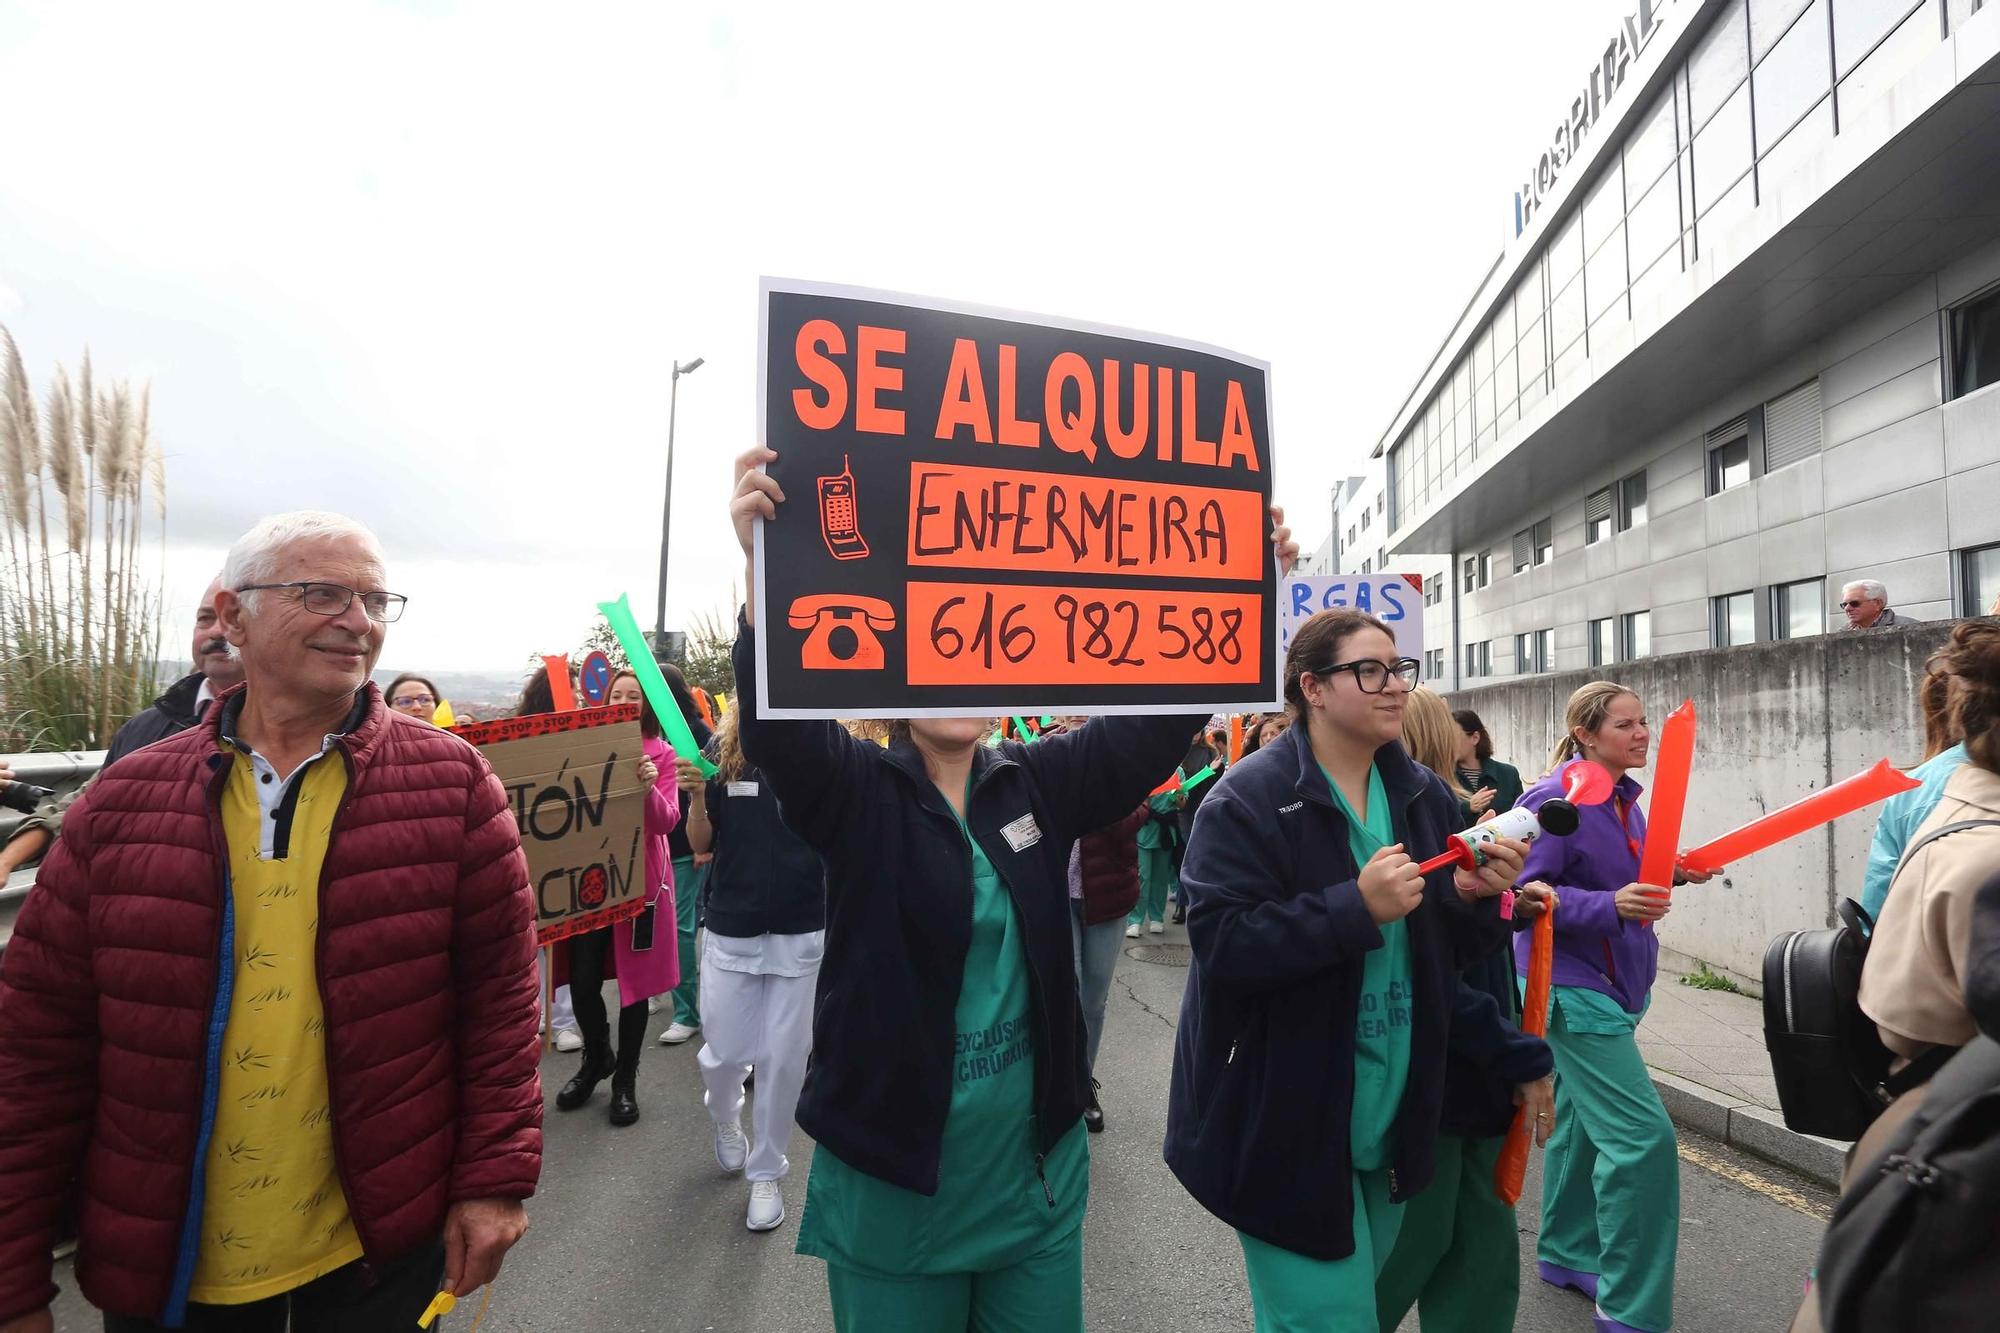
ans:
x=947 y=1084
x=1610 y=1181
x=637 y=952
x=1310 y=1055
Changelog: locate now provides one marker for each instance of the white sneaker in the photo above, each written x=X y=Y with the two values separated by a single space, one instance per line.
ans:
x=676 y=1033
x=652 y=1004
x=767 y=1206
x=1156 y=928
x=731 y=1149
x=1132 y=931
x=569 y=1039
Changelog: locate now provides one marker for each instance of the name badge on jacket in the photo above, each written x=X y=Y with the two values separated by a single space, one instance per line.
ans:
x=742 y=789
x=1023 y=833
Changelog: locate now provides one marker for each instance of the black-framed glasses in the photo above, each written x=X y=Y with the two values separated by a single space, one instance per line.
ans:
x=332 y=599
x=1373 y=675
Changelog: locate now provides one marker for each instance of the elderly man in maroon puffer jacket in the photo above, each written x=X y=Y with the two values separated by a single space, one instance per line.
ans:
x=271 y=1007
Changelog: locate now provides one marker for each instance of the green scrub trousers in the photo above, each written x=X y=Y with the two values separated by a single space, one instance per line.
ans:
x=1156 y=880
x=1293 y=1293
x=689 y=880
x=1611 y=1201
x=1458 y=1255
x=1040 y=1294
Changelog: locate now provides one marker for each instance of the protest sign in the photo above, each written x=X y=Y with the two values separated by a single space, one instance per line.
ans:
x=573 y=782
x=1395 y=599
x=993 y=513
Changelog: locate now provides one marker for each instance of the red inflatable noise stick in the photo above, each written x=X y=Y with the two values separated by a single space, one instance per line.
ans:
x=1823 y=806
x=1585 y=783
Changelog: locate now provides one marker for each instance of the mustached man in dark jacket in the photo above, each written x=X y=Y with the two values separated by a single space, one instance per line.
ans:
x=947 y=1085
x=1309 y=1059
x=217 y=670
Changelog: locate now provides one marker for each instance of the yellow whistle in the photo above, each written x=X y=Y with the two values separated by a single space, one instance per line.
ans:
x=441 y=1304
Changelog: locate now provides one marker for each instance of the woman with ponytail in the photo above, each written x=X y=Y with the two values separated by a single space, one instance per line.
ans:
x=1458 y=1256
x=1610 y=1179
x=1913 y=983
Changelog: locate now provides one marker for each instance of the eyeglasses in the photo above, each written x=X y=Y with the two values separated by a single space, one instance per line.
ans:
x=414 y=701
x=332 y=599
x=1849 y=606
x=1373 y=676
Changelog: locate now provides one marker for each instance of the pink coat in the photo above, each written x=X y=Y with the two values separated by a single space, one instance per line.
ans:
x=657 y=970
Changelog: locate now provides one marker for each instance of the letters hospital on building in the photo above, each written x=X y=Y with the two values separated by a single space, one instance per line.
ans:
x=1742 y=346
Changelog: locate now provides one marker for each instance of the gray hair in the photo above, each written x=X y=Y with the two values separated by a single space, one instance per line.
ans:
x=1870 y=589
x=254 y=557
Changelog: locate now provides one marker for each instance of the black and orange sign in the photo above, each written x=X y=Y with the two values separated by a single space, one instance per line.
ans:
x=573 y=782
x=990 y=513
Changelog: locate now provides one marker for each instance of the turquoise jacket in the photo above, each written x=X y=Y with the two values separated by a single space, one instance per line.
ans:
x=1901 y=814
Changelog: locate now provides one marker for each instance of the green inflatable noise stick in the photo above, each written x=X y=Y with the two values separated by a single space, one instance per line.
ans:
x=640 y=655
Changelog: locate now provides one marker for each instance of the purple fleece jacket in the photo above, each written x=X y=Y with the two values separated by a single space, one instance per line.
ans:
x=1594 y=947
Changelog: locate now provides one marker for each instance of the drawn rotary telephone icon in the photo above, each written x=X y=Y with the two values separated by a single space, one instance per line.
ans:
x=841 y=631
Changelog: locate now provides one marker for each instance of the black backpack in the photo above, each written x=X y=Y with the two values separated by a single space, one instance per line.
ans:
x=1831 y=1067
x=1915 y=1239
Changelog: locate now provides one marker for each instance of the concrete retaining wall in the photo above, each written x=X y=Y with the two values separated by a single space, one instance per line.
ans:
x=1777 y=721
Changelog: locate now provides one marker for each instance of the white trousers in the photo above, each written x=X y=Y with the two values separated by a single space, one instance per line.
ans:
x=565 y=1013
x=751 y=1019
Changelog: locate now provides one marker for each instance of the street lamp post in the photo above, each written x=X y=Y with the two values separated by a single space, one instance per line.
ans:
x=667 y=518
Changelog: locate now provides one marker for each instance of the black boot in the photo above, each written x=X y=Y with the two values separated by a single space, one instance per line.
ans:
x=597 y=1066
x=624 y=1105
x=1093 y=1114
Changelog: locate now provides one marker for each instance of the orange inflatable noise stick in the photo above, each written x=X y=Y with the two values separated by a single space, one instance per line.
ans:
x=1510 y=1173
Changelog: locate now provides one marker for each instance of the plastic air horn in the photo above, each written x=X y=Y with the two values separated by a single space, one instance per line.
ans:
x=1842 y=798
x=1584 y=783
x=1511 y=1171
x=1670 y=791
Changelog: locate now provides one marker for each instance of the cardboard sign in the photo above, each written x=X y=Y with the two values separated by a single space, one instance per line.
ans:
x=573 y=782
x=989 y=512
x=1395 y=599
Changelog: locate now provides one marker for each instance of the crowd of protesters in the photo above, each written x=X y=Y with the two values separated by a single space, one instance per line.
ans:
x=268 y=1021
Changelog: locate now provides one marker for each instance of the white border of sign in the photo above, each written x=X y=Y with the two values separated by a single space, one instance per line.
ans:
x=767 y=285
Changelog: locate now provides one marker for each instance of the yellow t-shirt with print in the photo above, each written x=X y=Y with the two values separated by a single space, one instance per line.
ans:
x=274 y=1217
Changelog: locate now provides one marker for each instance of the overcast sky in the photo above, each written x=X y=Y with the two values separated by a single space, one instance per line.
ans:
x=429 y=263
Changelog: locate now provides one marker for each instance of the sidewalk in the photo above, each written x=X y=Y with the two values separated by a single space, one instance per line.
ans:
x=1706 y=1051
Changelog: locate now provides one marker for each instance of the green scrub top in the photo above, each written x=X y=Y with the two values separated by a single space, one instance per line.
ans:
x=990 y=1210
x=1382 y=1030
x=1154 y=836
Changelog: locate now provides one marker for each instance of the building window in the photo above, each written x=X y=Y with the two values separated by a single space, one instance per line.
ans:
x=1597 y=517
x=1350 y=534
x=1603 y=642
x=1545 y=540
x=1734 y=620
x=1485 y=568
x=1367 y=567
x=1434 y=664
x=1378 y=504
x=1729 y=464
x=1635 y=632
x=1632 y=502
x=1982 y=581
x=1524 y=549
x=1531 y=652
x=1975 y=344
x=1791 y=427
x=1382 y=557
x=1471 y=572
x=1364 y=519
x=1798 y=610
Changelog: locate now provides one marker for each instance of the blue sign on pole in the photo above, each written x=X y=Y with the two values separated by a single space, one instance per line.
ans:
x=596 y=678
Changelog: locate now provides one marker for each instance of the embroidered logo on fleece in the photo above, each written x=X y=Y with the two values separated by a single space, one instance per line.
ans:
x=1292 y=809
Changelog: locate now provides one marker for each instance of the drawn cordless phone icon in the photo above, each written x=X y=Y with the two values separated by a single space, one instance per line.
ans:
x=842 y=629
x=837 y=520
